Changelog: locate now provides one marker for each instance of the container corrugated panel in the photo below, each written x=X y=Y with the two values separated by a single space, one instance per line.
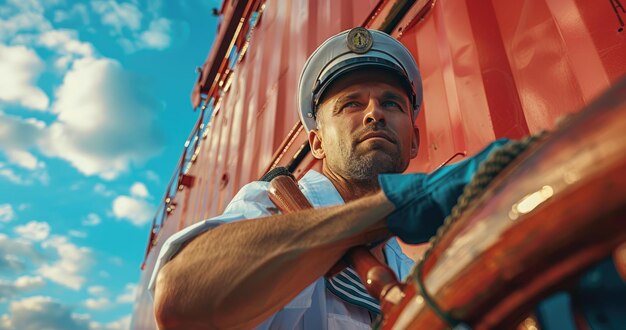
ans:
x=491 y=69
x=508 y=68
x=255 y=114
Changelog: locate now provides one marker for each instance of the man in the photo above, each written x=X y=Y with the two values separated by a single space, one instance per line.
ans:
x=359 y=95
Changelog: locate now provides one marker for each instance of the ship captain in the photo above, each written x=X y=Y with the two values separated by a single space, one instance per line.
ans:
x=359 y=95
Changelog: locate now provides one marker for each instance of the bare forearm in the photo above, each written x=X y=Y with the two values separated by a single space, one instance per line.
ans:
x=250 y=269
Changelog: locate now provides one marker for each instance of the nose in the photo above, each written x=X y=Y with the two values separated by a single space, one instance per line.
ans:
x=374 y=114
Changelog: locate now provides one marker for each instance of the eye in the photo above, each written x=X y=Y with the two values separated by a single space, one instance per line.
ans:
x=392 y=105
x=351 y=105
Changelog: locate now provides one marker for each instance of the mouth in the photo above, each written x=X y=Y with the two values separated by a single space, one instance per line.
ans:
x=378 y=135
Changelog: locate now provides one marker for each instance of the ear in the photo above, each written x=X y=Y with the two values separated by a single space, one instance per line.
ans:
x=415 y=144
x=315 y=141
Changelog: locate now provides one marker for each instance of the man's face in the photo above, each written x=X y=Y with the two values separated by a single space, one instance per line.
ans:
x=365 y=126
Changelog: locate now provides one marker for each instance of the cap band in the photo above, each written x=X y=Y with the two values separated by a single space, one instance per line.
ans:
x=358 y=63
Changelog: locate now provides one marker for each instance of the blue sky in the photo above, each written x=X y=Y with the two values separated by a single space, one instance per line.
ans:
x=94 y=111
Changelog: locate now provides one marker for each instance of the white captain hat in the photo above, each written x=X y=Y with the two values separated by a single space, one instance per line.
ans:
x=347 y=51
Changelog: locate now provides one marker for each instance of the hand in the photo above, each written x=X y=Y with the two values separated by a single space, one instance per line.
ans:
x=423 y=201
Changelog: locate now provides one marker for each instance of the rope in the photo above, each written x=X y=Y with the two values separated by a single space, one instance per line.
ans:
x=486 y=172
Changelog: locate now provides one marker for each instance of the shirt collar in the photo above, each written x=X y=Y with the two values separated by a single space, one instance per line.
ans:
x=321 y=193
x=319 y=190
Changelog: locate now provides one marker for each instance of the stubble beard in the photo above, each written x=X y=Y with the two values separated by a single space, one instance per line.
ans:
x=363 y=168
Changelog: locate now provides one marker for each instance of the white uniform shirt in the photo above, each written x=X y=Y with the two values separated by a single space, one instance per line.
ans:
x=315 y=307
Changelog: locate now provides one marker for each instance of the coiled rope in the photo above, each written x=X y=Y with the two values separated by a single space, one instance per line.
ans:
x=487 y=171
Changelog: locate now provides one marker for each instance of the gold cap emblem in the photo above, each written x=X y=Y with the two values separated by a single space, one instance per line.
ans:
x=360 y=40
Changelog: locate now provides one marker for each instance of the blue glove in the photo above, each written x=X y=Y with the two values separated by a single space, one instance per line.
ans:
x=423 y=201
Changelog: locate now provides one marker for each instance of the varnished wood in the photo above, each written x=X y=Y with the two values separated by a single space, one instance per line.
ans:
x=619 y=258
x=376 y=276
x=530 y=323
x=286 y=195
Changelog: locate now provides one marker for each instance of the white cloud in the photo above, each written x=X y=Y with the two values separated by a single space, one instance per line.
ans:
x=7 y=291
x=158 y=35
x=19 y=134
x=152 y=176
x=92 y=219
x=128 y=297
x=39 y=175
x=97 y=290
x=138 y=189
x=105 y=120
x=99 y=299
x=16 y=254
x=66 y=45
x=77 y=233
x=40 y=312
x=135 y=210
x=24 y=159
x=72 y=263
x=19 y=68
x=128 y=45
x=18 y=21
x=27 y=25
x=29 y=282
x=22 y=284
x=62 y=16
x=34 y=230
x=101 y=189
x=12 y=262
x=66 y=42
x=63 y=62
x=10 y=175
x=97 y=303
x=117 y=261
x=123 y=323
x=78 y=11
x=7 y=213
x=125 y=20
x=119 y=16
x=28 y=5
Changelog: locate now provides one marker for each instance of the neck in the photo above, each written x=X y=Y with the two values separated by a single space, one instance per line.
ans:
x=349 y=188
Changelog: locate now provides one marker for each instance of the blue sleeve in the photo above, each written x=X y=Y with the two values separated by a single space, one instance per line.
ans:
x=423 y=201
